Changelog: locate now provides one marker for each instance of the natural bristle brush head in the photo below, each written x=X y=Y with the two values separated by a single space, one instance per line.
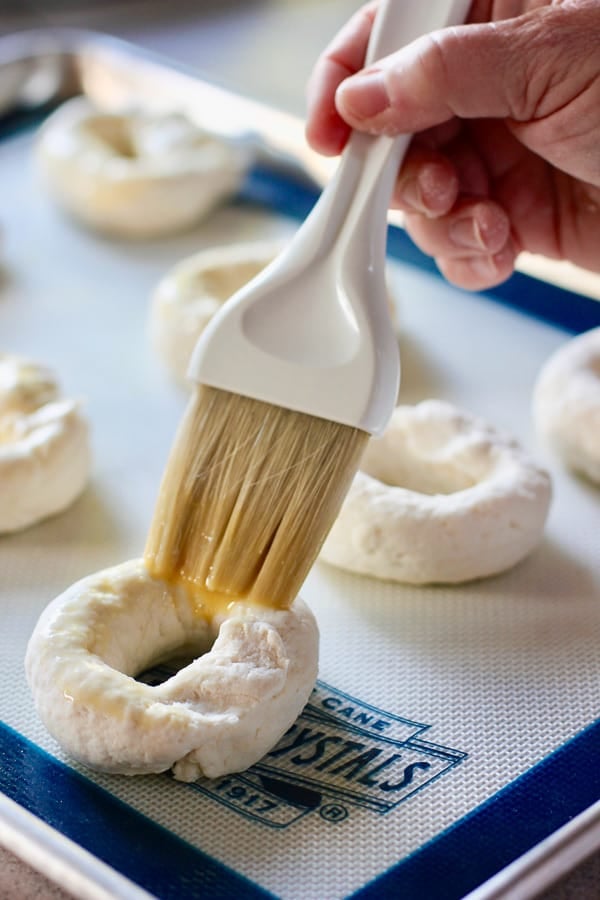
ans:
x=249 y=495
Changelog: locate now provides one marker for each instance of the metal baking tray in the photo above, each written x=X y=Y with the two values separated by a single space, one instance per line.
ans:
x=483 y=697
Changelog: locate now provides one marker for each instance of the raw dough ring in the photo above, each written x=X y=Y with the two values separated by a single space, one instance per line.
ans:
x=193 y=290
x=566 y=403
x=134 y=175
x=44 y=445
x=219 y=714
x=441 y=497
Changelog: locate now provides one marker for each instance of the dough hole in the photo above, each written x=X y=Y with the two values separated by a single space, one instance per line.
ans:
x=115 y=134
x=441 y=497
x=133 y=674
x=135 y=175
x=168 y=664
x=427 y=481
x=222 y=282
x=425 y=459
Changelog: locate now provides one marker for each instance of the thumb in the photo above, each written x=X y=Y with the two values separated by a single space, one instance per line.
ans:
x=491 y=70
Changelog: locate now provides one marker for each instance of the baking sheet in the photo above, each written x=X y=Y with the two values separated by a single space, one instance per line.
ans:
x=483 y=694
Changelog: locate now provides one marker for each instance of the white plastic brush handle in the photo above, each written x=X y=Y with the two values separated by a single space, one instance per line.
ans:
x=312 y=332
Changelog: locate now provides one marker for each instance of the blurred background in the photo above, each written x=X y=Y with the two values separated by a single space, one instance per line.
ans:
x=260 y=48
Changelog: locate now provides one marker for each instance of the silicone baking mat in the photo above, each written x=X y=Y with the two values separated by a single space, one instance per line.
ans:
x=451 y=730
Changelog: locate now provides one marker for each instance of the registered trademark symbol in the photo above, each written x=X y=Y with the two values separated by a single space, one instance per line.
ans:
x=333 y=812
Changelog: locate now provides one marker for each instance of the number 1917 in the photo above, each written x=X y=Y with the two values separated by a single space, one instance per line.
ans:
x=243 y=796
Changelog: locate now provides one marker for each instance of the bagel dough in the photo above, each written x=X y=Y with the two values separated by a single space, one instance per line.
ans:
x=566 y=403
x=44 y=445
x=190 y=293
x=441 y=497
x=253 y=671
x=134 y=175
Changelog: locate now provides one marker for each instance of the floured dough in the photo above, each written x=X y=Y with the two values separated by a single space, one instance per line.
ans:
x=441 y=497
x=253 y=671
x=44 y=445
x=566 y=403
x=135 y=175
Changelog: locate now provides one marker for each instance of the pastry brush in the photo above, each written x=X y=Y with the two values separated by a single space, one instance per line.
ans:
x=293 y=375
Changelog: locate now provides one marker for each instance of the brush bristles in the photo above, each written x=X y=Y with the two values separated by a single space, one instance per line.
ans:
x=248 y=496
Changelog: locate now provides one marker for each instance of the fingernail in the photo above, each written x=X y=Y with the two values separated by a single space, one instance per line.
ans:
x=467 y=233
x=484 y=267
x=364 y=96
x=410 y=195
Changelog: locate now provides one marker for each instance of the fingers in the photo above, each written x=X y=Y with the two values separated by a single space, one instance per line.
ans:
x=477 y=273
x=472 y=243
x=445 y=88
x=472 y=71
x=326 y=131
x=472 y=227
x=450 y=213
x=428 y=183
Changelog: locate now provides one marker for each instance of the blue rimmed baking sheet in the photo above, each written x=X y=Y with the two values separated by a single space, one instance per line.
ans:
x=479 y=702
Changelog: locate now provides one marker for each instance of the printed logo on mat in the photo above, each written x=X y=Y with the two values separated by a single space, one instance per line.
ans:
x=340 y=754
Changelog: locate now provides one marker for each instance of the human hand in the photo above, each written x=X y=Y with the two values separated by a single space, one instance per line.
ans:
x=506 y=116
